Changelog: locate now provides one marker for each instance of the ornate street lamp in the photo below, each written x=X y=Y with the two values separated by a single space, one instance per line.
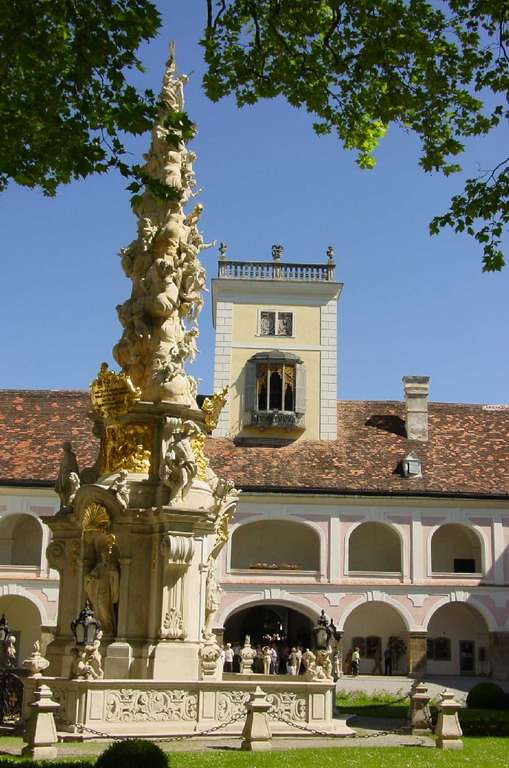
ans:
x=86 y=627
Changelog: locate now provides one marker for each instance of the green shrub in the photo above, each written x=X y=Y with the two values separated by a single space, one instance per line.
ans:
x=487 y=696
x=134 y=753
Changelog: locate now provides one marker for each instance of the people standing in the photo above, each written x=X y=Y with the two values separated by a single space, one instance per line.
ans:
x=228 y=658
x=293 y=661
x=274 y=664
x=356 y=660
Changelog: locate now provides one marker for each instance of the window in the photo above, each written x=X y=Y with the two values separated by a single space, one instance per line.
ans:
x=373 y=647
x=360 y=643
x=439 y=649
x=275 y=390
x=464 y=565
x=275 y=387
x=274 y=323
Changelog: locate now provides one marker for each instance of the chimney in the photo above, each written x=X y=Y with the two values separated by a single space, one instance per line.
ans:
x=416 y=389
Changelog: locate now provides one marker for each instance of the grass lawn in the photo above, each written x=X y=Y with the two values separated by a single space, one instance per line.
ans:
x=478 y=753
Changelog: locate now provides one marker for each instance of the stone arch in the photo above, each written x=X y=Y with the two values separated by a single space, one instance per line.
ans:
x=24 y=618
x=466 y=598
x=458 y=638
x=304 y=550
x=299 y=604
x=378 y=597
x=380 y=619
x=21 y=539
x=386 y=557
x=451 y=547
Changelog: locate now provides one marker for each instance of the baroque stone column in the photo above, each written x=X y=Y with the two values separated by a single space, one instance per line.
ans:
x=417 y=654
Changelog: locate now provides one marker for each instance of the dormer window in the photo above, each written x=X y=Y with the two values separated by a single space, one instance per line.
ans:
x=275 y=390
x=273 y=323
x=411 y=466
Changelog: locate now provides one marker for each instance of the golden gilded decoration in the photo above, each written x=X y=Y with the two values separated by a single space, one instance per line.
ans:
x=96 y=519
x=211 y=408
x=112 y=394
x=128 y=446
x=198 y=445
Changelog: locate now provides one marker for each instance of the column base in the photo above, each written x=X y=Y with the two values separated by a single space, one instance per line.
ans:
x=175 y=660
x=118 y=661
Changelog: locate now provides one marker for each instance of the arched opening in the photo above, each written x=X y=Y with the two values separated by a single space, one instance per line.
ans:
x=455 y=548
x=458 y=641
x=374 y=548
x=20 y=541
x=279 y=545
x=372 y=628
x=24 y=621
x=275 y=625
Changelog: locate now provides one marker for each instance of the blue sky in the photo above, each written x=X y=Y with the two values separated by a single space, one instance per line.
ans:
x=411 y=304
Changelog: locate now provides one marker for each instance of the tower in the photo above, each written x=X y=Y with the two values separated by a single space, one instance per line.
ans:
x=276 y=348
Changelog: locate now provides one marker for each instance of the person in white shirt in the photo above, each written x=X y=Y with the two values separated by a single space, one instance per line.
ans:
x=228 y=658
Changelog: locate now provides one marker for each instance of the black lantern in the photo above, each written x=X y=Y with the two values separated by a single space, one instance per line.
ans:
x=86 y=626
x=4 y=629
x=321 y=633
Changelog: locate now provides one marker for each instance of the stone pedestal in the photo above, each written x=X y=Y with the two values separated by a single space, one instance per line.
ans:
x=118 y=660
x=41 y=733
x=499 y=655
x=416 y=654
x=419 y=712
x=448 y=730
x=256 y=735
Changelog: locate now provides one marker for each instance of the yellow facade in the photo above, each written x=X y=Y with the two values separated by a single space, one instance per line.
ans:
x=247 y=341
x=306 y=326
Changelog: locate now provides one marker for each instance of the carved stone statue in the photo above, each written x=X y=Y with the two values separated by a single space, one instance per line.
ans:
x=120 y=489
x=10 y=650
x=67 y=482
x=102 y=589
x=212 y=593
x=159 y=318
x=86 y=661
x=178 y=468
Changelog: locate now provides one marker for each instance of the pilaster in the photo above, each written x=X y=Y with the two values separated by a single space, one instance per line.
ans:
x=328 y=371
x=223 y=357
x=416 y=654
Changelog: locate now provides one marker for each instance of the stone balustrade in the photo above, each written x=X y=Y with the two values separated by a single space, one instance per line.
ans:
x=264 y=270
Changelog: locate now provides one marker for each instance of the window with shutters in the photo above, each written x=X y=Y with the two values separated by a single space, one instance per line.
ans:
x=275 y=390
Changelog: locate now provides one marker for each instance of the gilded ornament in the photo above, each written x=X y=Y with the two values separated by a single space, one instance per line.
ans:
x=112 y=394
x=128 y=446
x=96 y=519
x=212 y=407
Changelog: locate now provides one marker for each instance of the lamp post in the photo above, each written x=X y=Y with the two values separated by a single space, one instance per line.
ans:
x=86 y=627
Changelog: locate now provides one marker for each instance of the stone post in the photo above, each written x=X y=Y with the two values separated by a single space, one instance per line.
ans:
x=419 y=713
x=41 y=734
x=247 y=657
x=448 y=730
x=416 y=654
x=499 y=655
x=256 y=735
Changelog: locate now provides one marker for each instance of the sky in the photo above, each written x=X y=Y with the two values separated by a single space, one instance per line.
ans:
x=410 y=305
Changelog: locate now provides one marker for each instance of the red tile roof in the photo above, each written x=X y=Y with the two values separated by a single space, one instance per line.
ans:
x=467 y=452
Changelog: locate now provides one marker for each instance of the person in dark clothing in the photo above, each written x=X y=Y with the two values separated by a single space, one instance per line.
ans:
x=388 y=661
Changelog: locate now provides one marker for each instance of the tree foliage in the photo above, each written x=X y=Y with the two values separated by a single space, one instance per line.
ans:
x=64 y=98
x=438 y=69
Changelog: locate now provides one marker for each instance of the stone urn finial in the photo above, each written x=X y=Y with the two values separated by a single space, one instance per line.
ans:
x=36 y=663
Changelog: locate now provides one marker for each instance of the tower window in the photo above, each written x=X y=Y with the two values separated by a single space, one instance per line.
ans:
x=274 y=323
x=275 y=390
x=275 y=387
